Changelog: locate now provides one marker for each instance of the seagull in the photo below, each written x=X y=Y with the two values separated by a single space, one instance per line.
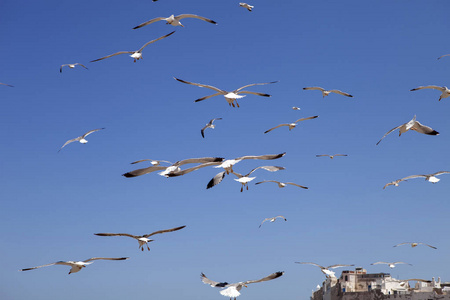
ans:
x=232 y=96
x=331 y=156
x=247 y=6
x=172 y=168
x=413 y=125
x=136 y=55
x=325 y=270
x=445 y=91
x=282 y=184
x=327 y=92
x=414 y=244
x=272 y=219
x=291 y=125
x=80 y=139
x=142 y=239
x=430 y=177
x=6 y=84
x=71 y=66
x=390 y=264
x=174 y=20
x=395 y=182
x=443 y=56
x=232 y=289
x=244 y=179
x=209 y=125
x=152 y=161
x=295 y=108
x=76 y=265
x=229 y=163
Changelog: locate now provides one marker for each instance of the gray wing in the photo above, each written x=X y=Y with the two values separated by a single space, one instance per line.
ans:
x=144 y=171
x=183 y=172
x=211 y=121
x=428 y=245
x=423 y=129
x=389 y=132
x=320 y=155
x=340 y=155
x=164 y=231
x=149 y=22
x=179 y=17
x=138 y=161
x=118 y=234
x=70 y=141
x=212 y=283
x=6 y=84
x=207 y=97
x=414 y=176
x=216 y=180
x=202 y=85
x=314 y=88
x=310 y=263
x=117 y=53
x=264 y=157
x=440 y=173
x=434 y=87
x=340 y=93
x=105 y=258
x=281 y=125
x=338 y=266
x=160 y=38
x=266 y=219
x=254 y=93
x=400 y=262
x=443 y=56
x=89 y=132
x=267 y=168
x=380 y=262
x=267 y=181
x=82 y=66
x=60 y=68
x=252 y=84
x=407 y=243
x=301 y=186
x=282 y=217
x=200 y=160
x=55 y=263
x=304 y=119
x=270 y=277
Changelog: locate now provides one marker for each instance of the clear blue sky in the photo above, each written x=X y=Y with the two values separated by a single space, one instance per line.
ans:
x=52 y=203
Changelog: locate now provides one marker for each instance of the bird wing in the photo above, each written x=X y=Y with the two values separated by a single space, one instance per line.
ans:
x=117 y=53
x=182 y=16
x=254 y=93
x=320 y=155
x=203 y=85
x=60 y=68
x=278 y=126
x=216 y=180
x=443 y=56
x=200 y=160
x=6 y=84
x=310 y=263
x=155 y=40
x=380 y=262
x=291 y=183
x=183 y=172
x=264 y=157
x=163 y=231
x=338 y=266
x=70 y=141
x=266 y=219
x=267 y=168
x=212 y=283
x=400 y=262
x=282 y=217
x=340 y=93
x=105 y=258
x=434 y=87
x=89 y=132
x=27 y=269
x=118 y=234
x=149 y=22
x=211 y=121
x=207 y=97
x=138 y=161
x=203 y=131
x=413 y=176
x=266 y=181
x=252 y=84
x=304 y=119
x=314 y=88
x=82 y=66
x=389 y=132
x=440 y=173
x=428 y=245
x=144 y=171
x=270 y=277
x=423 y=129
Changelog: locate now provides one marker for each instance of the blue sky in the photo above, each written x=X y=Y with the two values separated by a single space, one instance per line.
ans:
x=52 y=203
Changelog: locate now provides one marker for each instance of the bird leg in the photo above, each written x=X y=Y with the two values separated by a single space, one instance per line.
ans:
x=148 y=248
x=232 y=104
x=242 y=188
x=237 y=104
x=247 y=187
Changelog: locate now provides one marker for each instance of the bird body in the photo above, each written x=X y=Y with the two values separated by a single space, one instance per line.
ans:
x=327 y=92
x=443 y=89
x=175 y=20
x=81 y=139
x=412 y=125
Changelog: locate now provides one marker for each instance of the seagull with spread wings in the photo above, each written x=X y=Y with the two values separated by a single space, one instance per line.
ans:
x=390 y=264
x=76 y=265
x=232 y=96
x=412 y=125
x=272 y=220
x=394 y=183
x=291 y=125
x=81 y=139
x=326 y=92
x=331 y=156
x=414 y=244
x=429 y=177
x=247 y=6
x=154 y=162
x=71 y=66
x=209 y=125
x=136 y=55
x=325 y=270
x=175 y=20
x=443 y=89
x=282 y=184
x=232 y=289
x=142 y=239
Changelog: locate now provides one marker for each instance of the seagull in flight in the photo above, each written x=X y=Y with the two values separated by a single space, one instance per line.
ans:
x=71 y=66
x=175 y=20
x=296 y=108
x=232 y=96
x=395 y=183
x=136 y=55
x=229 y=163
x=291 y=125
x=414 y=244
x=443 y=89
x=247 y=6
x=76 y=265
x=6 y=84
x=245 y=179
x=272 y=219
x=412 y=125
x=282 y=184
x=209 y=125
x=429 y=177
x=390 y=264
x=142 y=239
x=326 y=92
x=331 y=156
x=232 y=289
x=325 y=270
x=154 y=162
x=81 y=139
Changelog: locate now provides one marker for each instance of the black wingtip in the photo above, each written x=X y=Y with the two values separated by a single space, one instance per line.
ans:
x=433 y=133
x=128 y=175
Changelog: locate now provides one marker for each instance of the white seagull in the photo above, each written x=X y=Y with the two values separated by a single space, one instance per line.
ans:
x=232 y=289
x=142 y=239
x=232 y=96
x=247 y=6
x=209 y=125
x=414 y=244
x=136 y=55
x=229 y=163
x=76 y=265
x=296 y=108
x=6 y=84
x=331 y=156
x=429 y=177
x=245 y=179
x=412 y=125
x=81 y=139
x=390 y=264
x=395 y=182
x=325 y=270
x=282 y=184
x=71 y=66
x=174 y=20
x=272 y=220
x=291 y=125
x=443 y=89
x=327 y=92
